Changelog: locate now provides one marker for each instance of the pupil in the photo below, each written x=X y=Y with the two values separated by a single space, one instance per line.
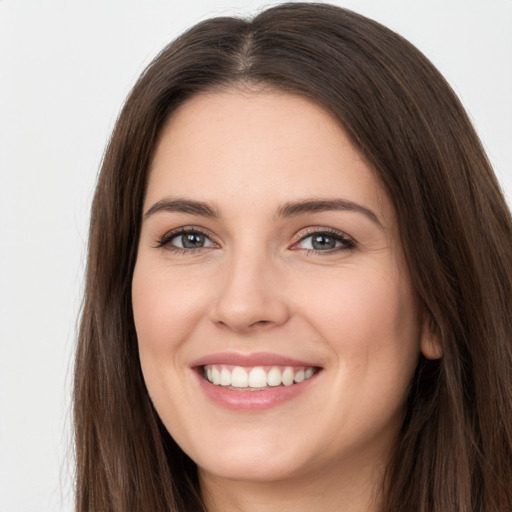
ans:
x=323 y=242
x=192 y=240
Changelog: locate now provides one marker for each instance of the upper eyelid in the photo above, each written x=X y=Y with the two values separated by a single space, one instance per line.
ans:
x=169 y=235
x=347 y=242
x=187 y=229
x=306 y=232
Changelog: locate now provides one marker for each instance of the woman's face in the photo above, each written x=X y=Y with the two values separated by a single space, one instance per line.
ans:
x=269 y=263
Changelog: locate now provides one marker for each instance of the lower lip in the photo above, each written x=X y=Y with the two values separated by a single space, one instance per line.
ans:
x=253 y=400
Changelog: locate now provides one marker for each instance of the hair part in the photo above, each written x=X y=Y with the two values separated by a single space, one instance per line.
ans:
x=455 y=448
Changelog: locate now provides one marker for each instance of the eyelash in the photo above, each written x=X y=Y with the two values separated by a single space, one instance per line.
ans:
x=165 y=241
x=347 y=243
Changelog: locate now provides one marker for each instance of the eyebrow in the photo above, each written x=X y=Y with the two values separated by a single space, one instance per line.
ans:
x=296 y=208
x=183 y=206
x=290 y=209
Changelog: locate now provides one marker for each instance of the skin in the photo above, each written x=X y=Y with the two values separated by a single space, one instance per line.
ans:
x=256 y=286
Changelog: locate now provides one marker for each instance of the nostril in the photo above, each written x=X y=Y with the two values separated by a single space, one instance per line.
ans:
x=261 y=322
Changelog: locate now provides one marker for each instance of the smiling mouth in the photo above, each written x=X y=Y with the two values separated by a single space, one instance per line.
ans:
x=257 y=378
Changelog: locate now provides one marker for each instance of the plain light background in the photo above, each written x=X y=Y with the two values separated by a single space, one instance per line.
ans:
x=65 y=69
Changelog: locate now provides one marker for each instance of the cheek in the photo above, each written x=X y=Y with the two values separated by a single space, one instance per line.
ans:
x=165 y=308
x=369 y=319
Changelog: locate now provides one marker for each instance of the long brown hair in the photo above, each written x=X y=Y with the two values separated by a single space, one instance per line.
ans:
x=454 y=452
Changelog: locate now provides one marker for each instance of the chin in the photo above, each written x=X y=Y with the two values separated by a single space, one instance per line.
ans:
x=249 y=467
x=251 y=458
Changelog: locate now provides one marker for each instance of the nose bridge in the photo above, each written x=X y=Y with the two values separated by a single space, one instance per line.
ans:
x=250 y=295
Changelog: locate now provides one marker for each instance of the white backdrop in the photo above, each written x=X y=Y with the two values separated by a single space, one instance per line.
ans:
x=65 y=68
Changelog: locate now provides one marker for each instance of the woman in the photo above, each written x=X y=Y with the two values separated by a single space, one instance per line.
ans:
x=299 y=282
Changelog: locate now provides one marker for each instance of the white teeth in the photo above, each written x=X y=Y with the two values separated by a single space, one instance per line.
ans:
x=215 y=375
x=274 y=376
x=299 y=376
x=225 y=377
x=257 y=377
x=287 y=378
x=239 y=378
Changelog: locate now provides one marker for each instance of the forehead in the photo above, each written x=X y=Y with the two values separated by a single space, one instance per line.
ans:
x=259 y=147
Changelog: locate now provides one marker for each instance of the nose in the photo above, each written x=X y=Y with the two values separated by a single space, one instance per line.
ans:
x=252 y=296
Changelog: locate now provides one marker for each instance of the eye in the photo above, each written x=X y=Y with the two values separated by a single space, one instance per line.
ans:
x=191 y=240
x=186 y=240
x=325 y=241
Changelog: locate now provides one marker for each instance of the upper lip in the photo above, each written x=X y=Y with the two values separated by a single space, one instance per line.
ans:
x=250 y=360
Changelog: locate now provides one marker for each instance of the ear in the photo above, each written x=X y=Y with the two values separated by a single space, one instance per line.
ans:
x=430 y=343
